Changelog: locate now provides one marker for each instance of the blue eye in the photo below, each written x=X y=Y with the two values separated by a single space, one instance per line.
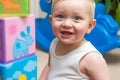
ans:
x=60 y=16
x=76 y=18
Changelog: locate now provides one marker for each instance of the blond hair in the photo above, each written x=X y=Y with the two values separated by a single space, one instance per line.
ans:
x=90 y=5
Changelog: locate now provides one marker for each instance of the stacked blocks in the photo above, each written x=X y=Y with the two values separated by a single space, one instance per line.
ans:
x=14 y=7
x=17 y=48
x=18 y=60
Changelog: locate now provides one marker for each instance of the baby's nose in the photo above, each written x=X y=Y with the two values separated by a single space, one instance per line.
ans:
x=67 y=23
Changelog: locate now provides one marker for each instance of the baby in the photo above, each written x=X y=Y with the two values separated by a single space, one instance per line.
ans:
x=71 y=56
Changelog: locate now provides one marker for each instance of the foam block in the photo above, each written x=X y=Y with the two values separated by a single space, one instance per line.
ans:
x=17 y=38
x=14 y=7
x=23 y=69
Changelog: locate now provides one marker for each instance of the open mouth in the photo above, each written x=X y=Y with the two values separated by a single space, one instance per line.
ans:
x=66 y=32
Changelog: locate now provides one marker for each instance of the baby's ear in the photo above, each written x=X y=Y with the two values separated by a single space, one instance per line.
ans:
x=91 y=26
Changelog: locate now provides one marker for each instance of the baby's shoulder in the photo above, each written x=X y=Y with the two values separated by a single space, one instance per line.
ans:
x=93 y=57
x=93 y=60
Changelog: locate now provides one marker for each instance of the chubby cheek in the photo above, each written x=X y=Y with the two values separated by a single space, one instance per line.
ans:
x=80 y=32
x=55 y=29
x=78 y=36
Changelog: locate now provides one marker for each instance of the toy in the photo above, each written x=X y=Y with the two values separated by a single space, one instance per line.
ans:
x=104 y=36
x=23 y=69
x=44 y=33
x=17 y=38
x=14 y=7
x=18 y=60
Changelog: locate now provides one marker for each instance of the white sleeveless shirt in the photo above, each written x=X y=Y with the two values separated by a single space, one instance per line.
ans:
x=66 y=67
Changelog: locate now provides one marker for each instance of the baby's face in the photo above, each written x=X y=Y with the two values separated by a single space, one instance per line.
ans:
x=70 y=20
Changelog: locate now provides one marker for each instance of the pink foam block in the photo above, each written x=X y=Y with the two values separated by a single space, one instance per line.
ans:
x=17 y=37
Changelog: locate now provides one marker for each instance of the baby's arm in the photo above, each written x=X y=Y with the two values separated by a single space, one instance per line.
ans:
x=45 y=72
x=96 y=67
